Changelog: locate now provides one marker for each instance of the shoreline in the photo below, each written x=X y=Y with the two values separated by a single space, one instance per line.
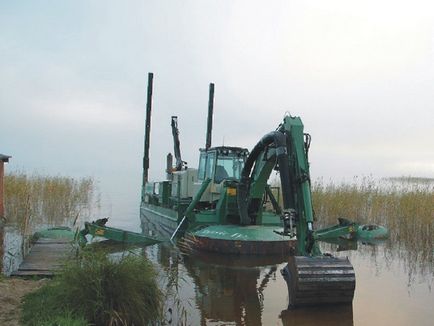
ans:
x=12 y=291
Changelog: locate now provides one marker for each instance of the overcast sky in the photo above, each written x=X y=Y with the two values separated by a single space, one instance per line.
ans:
x=73 y=82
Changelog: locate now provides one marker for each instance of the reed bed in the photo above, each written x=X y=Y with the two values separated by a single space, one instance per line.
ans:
x=35 y=200
x=404 y=205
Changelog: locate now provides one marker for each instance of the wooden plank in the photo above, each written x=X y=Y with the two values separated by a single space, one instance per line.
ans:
x=46 y=257
x=40 y=266
x=49 y=252
x=48 y=241
x=52 y=246
x=33 y=273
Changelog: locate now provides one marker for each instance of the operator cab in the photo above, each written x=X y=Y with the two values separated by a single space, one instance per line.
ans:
x=220 y=163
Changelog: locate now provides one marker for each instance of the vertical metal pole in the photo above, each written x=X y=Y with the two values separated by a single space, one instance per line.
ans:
x=147 y=128
x=210 y=112
x=169 y=163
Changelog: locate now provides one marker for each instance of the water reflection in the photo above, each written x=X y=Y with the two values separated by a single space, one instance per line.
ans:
x=230 y=288
x=389 y=255
x=342 y=244
x=234 y=290
x=325 y=316
x=226 y=289
x=213 y=289
x=393 y=278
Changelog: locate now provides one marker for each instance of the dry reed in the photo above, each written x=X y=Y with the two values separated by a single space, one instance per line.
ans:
x=36 y=200
x=404 y=205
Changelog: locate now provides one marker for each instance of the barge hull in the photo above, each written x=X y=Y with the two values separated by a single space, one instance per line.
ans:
x=228 y=238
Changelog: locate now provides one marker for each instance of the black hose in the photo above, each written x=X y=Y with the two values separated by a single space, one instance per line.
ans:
x=279 y=140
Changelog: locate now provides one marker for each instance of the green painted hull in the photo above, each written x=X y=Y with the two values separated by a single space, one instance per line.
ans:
x=207 y=235
x=372 y=232
x=119 y=235
x=352 y=231
x=244 y=240
x=62 y=232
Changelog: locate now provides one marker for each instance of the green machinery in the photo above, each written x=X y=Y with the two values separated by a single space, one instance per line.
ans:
x=239 y=186
x=220 y=206
x=312 y=277
x=98 y=228
x=232 y=187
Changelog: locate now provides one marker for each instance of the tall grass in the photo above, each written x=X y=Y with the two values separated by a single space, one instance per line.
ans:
x=390 y=201
x=404 y=205
x=100 y=290
x=32 y=200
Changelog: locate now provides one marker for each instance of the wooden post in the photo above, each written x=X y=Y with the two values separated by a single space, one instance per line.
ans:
x=3 y=160
x=2 y=204
x=2 y=214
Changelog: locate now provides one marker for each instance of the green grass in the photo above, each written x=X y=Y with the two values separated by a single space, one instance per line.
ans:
x=66 y=319
x=99 y=290
x=42 y=307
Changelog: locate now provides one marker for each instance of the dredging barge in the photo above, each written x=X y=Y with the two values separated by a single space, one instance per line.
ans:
x=226 y=206
x=203 y=204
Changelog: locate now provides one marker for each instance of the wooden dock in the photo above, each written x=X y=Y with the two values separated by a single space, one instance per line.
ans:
x=46 y=258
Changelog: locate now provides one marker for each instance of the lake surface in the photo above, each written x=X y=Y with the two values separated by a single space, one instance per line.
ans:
x=394 y=286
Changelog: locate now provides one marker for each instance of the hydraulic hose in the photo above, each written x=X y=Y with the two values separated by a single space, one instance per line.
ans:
x=279 y=140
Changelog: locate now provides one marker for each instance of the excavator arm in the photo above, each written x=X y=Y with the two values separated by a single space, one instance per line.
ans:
x=299 y=188
x=176 y=144
x=312 y=278
x=286 y=150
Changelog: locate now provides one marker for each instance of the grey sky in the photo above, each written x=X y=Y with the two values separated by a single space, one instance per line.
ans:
x=73 y=82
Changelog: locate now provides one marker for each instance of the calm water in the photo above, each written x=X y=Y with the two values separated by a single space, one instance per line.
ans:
x=393 y=286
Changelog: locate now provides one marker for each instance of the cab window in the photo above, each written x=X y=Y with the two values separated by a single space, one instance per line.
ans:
x=206 y=165
x=202 y=164
x=228 y=167
x=210 y=165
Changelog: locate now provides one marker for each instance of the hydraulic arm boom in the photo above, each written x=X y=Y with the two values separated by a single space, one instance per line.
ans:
x=176 y=145
x=284 y=149
x=312 y=278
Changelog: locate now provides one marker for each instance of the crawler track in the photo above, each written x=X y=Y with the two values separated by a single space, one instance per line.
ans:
x=319 y=280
